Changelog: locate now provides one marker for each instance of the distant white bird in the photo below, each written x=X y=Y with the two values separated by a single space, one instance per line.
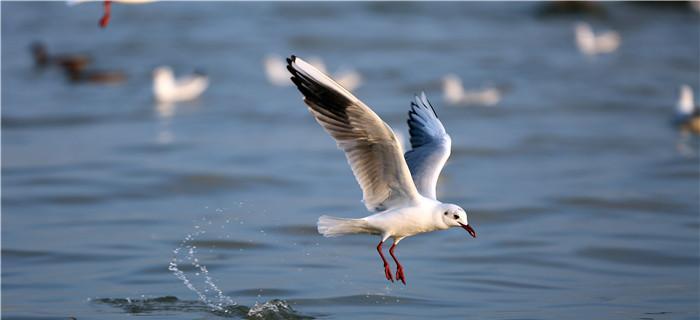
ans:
x=591 y=44
x=348 y=78
x=687 y=113
x=277 y=74
x=168 y=89
x=398 y=188
x=454 y=93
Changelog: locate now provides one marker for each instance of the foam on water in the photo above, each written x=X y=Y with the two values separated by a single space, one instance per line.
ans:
x=274 y=309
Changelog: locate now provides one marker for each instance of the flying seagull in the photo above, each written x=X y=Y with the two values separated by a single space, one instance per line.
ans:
x=399 y=189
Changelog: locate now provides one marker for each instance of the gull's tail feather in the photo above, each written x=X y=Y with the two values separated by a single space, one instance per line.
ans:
x=332 y=227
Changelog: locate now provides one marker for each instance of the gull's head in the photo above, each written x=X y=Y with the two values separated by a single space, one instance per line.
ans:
x=454 y=216
x=163 y=73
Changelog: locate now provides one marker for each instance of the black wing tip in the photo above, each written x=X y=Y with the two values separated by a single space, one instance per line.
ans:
x=417 y=97
x=290 y=61
x=430 y=105
x=293 y=70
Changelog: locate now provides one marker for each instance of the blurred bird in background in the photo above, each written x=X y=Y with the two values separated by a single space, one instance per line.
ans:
x=168 y=89
x=75 y=66
x=592 y=44
x=43 y=59
x=455 y=94
x=277 y=74
x=687 y=113
x=79 y=74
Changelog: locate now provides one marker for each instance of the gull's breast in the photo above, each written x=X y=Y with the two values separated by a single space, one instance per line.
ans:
x=404 y=222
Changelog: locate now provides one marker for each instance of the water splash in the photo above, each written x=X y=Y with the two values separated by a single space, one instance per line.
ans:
x=209 y=293
x=203 y=285
x=274 y=309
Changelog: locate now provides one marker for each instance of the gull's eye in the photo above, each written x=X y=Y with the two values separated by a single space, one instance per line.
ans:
x=456 y=216
x=446 y=212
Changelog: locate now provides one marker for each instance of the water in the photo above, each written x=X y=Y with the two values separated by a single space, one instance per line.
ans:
x=584 y=197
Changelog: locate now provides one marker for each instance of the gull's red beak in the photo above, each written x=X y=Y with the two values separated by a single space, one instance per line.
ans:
x=469 y=229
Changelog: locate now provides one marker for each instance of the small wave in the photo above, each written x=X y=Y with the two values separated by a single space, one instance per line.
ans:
x=259 y=292
x=155 y=148
x=168 y=303
x=55 y=257
x=228 y=244
x=170 y=185
x=640 y=257
x=365 y=300
x=634 y=204
x=270 y=310
x=57 y=121
x=297 y=230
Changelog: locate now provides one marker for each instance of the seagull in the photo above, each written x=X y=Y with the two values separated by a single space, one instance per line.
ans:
x=276 y=71
x=454 y=93
x=591 y=44
x=687 y=113
x=168 y=89
x=398 y=189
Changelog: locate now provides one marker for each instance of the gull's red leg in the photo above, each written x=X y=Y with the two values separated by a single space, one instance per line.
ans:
x=387 y=270
x=399 y=268
x=105 y=17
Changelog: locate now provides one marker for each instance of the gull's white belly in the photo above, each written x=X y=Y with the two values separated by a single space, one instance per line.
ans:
x=403 y=222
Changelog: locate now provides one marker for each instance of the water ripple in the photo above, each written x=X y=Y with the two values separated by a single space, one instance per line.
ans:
x=31 y=256
x=641 y=257
x=635 y=204
x=364 y=300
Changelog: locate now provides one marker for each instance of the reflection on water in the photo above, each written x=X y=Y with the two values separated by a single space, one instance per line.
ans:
x=584 y=194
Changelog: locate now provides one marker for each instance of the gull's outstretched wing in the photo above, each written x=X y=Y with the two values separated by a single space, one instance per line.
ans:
x=372 y=150
x=430 y=145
